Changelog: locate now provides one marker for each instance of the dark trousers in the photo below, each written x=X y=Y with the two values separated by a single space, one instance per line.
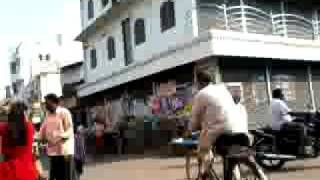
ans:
x=62 y=168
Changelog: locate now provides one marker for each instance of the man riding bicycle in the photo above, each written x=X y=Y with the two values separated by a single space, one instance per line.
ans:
x=214 y=113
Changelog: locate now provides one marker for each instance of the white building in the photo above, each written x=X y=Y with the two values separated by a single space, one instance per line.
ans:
x=35 y=69
x=261 y=44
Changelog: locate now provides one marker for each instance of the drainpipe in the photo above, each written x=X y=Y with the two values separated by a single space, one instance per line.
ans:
x=268 y=81
x=310 y=84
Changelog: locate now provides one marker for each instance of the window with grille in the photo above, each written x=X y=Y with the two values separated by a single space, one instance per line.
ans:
x=167 y=15
x=93 y=59
x=139 y=31
x=90 y=9
x=111 y=48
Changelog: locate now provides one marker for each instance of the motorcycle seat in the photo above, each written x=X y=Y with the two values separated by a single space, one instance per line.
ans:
x=261 y=133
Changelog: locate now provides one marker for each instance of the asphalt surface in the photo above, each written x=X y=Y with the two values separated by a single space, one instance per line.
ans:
x=155 y=168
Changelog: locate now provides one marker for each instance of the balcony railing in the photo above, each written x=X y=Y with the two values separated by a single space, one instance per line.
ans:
x=248 y=19
x=291 y=25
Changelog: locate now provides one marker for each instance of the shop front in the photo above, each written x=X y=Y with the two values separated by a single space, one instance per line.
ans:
x=260 y=76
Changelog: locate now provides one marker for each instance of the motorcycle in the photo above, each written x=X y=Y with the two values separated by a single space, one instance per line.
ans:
x=274 y=150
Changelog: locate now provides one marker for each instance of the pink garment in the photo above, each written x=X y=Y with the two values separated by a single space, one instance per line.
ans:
x=50 y=130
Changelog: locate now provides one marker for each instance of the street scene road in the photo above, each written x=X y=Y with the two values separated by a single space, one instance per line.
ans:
x=140 y=168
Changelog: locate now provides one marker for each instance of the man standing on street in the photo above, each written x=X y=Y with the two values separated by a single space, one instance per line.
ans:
x=241 y=111
x=57 y=130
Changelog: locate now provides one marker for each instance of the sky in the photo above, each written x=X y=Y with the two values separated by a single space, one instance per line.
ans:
x=23 y=20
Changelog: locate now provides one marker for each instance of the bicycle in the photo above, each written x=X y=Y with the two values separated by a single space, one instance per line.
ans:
x=238 y=160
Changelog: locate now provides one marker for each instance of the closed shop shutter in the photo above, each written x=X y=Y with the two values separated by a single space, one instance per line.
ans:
x=254 y=92
x=294 y=83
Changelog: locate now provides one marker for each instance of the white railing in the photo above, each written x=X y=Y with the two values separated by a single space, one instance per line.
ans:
x=248 y=19
x=316 y=25
x=291 y=25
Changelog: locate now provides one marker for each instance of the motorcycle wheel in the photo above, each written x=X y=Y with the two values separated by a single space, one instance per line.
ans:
x=270 y=165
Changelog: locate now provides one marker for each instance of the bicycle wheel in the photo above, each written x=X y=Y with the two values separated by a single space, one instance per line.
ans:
x=193 y=166
x=248 y=170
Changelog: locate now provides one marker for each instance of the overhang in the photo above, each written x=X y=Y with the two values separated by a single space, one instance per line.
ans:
x=211 y=43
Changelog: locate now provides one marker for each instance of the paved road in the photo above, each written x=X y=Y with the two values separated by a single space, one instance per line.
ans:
x=140 y=168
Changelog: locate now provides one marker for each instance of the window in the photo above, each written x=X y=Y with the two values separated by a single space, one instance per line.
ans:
x=139 y=31
x=111 y=48
x=90 y=9
x=93 y=59
x=104 y=2
x=48 y=57
x=167 y=15
x=40 y=57
x=13 y=67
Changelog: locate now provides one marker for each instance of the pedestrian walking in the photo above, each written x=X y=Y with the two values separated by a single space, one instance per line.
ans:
x=80 y=150
x=16 y=137
x=57 y=130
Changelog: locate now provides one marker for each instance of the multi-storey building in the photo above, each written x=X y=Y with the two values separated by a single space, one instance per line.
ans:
x=134 y=45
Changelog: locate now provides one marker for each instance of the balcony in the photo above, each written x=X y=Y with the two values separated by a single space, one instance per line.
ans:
x=250 y=19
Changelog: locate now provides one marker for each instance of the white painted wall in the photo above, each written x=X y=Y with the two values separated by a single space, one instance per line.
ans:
x=50 y=83
x=156 y=41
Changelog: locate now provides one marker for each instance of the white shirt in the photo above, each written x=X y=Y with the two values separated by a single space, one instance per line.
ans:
x=68 y=145
x=215 y=110
x=242 y=116
x=280 y=114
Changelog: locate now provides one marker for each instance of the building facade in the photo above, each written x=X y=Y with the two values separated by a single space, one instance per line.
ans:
x=71 y=78
x=263 y=45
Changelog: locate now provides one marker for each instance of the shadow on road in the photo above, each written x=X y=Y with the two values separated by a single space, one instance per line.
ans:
x=298 y=168
x=109 y=159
